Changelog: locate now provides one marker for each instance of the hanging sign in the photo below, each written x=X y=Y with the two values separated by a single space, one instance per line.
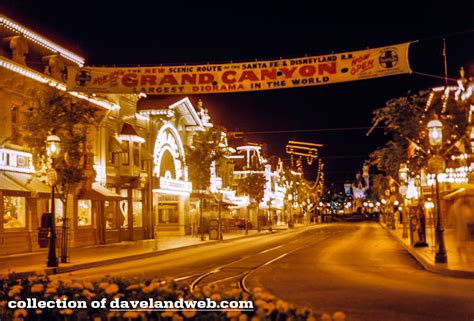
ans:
x=245 y=76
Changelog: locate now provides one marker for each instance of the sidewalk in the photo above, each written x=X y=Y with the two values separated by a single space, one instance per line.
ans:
x=457 y=266
x=96 y=255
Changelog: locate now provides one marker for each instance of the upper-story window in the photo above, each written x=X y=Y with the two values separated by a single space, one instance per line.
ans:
x=126 y=154
x=136 y=154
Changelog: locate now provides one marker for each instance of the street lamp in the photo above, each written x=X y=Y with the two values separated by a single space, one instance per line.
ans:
x=471 y=138
x=436 y=163
x=219 y=197
x=435 y=132
x=403 y=173
x=403 y=177
x=290 y=219
x=53 y=148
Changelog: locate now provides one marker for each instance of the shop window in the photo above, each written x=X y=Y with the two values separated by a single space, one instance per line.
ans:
x=14 y=212
x=123 y=213
x=110 y=215
x=84 y=213
x=168 y=214
x=137 y=208
x=59 y=211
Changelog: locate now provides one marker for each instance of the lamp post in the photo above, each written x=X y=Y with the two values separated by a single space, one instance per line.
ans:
x=53 y=147
x=290 y=218
x=471 y=139
x=403 y=177
x=437 y=165
x=383 y=210
x=219 y=226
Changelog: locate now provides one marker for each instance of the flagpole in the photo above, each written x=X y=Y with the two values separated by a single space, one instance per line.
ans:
x=445 y=63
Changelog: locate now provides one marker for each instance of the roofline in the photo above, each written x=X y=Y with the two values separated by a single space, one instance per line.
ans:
x=40 y=40
x=190 y=108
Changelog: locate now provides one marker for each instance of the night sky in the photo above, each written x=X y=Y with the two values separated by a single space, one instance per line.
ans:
x=140 y=33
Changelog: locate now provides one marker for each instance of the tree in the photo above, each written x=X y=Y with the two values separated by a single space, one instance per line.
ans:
x=379 y=187
x=205 y=149
x=70 y=119
x=405 y=120
x=253 y=185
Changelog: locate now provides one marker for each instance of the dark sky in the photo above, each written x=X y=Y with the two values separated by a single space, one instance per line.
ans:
x=159 y=32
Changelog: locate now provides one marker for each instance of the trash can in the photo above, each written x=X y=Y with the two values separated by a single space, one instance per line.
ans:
x=213 y=229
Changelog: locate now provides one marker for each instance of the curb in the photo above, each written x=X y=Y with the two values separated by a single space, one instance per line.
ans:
x=439 y=268
x=86 y=265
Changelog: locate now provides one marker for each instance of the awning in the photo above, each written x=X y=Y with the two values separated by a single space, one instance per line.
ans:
x=468 y=190
x=31 y=183
x=115 y=146
x=100 y=193
x=9 y=187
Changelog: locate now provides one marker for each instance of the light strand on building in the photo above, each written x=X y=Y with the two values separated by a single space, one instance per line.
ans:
x=34 y=37
x=39 y=77
x=131 y=138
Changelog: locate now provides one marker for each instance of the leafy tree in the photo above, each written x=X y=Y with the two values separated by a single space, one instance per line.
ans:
x=253 y=185
x=70 y=119
x=405 y=119
x=199 y=157
x=380 y=184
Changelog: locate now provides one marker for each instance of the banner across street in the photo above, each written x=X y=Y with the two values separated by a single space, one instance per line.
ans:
x=244 y=76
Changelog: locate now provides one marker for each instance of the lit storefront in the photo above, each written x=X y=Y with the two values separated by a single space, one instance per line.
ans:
x=172 y=126
x=29 y=64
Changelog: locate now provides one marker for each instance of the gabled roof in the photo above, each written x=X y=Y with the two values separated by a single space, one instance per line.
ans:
x=183 y=106
x=128 y=129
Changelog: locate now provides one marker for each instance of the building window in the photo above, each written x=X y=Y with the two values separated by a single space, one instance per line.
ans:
x=84 y=213
x=168 y=214
x=110 y=216
x=136 y=154
x=14 y=212
x=126 y=153
x=123 y=214
x=137 y=208
x=59 y=211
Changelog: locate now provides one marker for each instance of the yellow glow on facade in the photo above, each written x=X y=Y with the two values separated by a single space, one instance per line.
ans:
x=16 y=161
x=429 y=205
x=39 y=77
x=131 y=138
x=170 y=186
x=43 y=42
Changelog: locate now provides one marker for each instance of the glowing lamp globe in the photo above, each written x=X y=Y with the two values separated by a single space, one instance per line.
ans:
x=435 y=132
x=403 y=173
x=53 y=146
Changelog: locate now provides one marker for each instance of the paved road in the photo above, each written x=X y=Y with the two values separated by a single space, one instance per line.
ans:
x=367 y=274
x=354 y=267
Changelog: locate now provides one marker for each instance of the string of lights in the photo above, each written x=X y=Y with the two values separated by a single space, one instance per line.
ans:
x=312 y=130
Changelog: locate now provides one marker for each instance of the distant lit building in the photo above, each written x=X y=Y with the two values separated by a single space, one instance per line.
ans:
x=248 y=159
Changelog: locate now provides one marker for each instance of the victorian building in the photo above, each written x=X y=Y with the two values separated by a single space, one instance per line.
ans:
x=29 y=64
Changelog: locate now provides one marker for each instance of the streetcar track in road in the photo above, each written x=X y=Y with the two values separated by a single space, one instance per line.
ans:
x=202 y=276
x=243 y=275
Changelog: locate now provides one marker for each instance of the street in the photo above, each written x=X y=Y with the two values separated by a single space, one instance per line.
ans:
x=357 y=268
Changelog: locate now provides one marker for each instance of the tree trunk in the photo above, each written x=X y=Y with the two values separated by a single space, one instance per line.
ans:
x=246 y=221
x=201 y=218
